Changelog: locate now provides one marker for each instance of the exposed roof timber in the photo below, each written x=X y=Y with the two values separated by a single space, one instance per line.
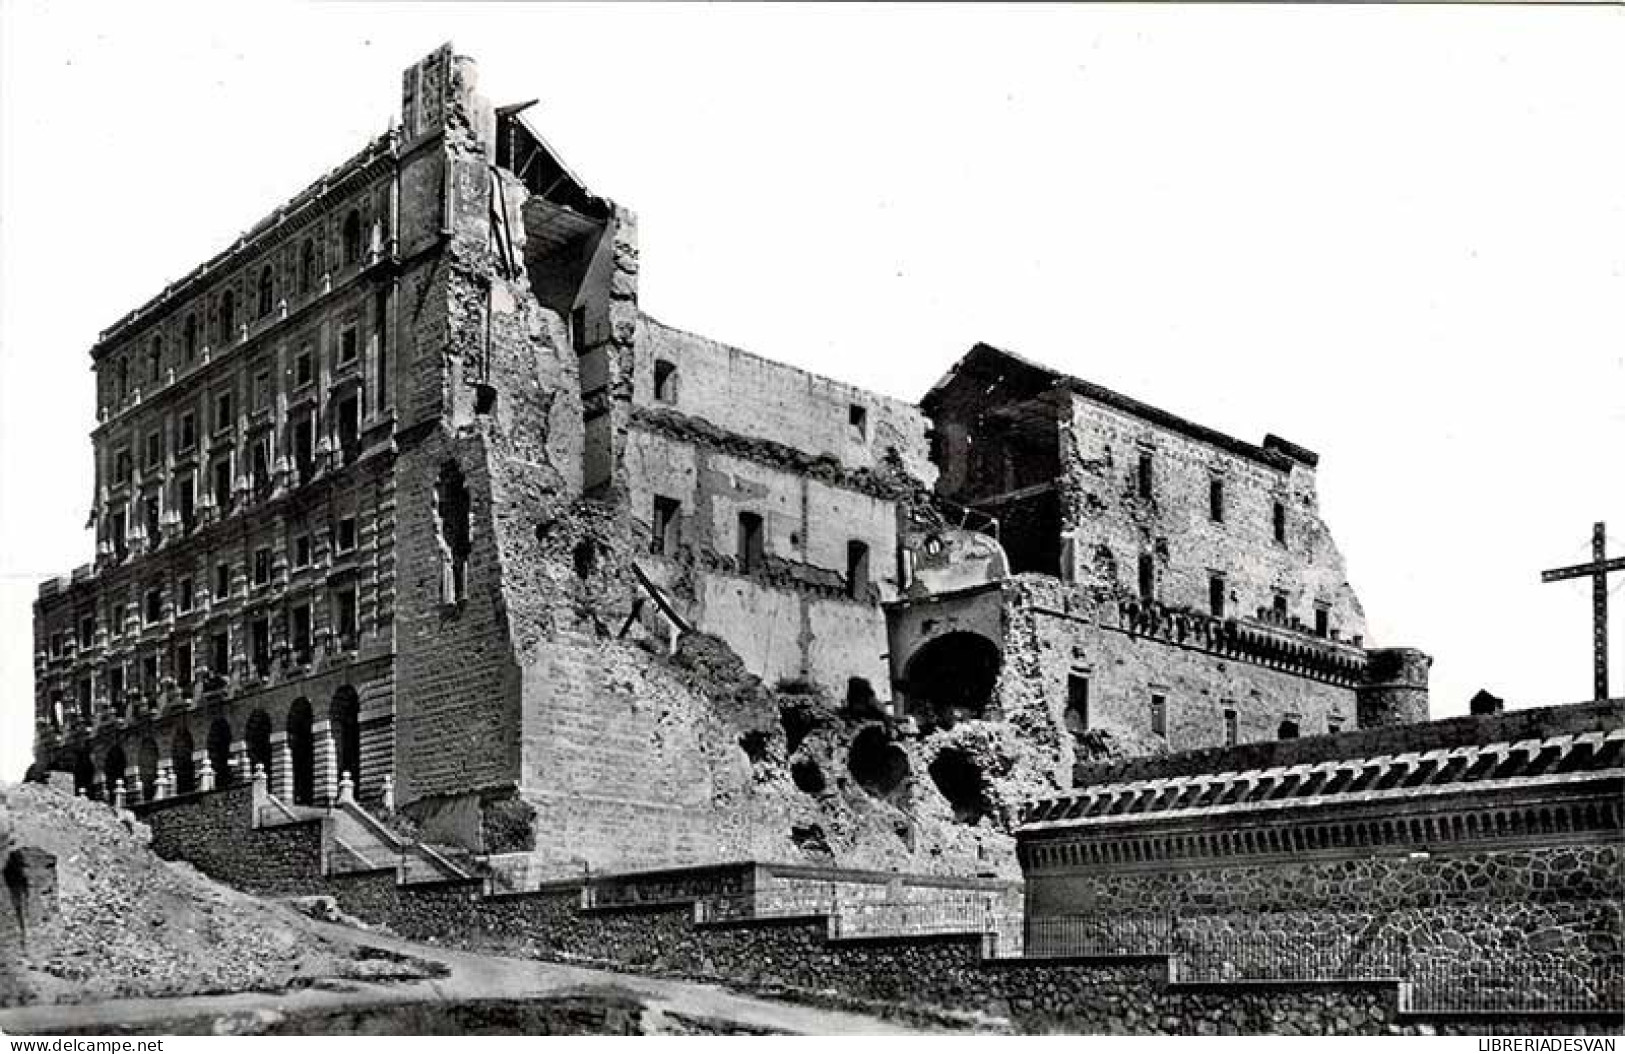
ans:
x=1007 y=369
x=527 y=154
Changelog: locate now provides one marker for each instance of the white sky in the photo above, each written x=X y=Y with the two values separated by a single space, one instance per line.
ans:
x=1395 y=235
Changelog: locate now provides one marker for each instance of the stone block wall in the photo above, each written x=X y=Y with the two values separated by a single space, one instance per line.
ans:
x=214 y=832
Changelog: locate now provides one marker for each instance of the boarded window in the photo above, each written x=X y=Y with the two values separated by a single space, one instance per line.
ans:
x=857 y=569
x=751 y=551
x=664 y=541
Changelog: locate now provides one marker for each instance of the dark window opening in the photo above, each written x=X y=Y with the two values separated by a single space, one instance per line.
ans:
x=578 y=330
x=149 y=674
x=1148 y=577
x=665 y=381
x=119 y=533
x=344 y=536
x=453 y=517
x=150 y=511
x=344 y=601
x=299 y=634
x=349 y=425
x=222 y=412
x=1323 y=621
x=751 y=551
x=345 y=717
x=1215 y=595
x=302 y=752
x=857 y=569
x=264 y=394
x=267 y=293
x=1215 y=500
x=189 y=337
x=1146 y=475
x=218 y=746
x=123 y=468
x=220 y=653
x=260 y=469
x=858 y=418
x=222 y=581
x=1231 y=728
x=123 y=375
x=257 y=738
x=227 y=318
x=262 y=566
x=1159 y=715
x=1278 y=515
x=1278 y=607
x=1077 y=704
x=155 y=360
x=87 y=631
x=183 y=666
x=1334 y=724
x=307 y=266
x=1288 y=730
x=154 y=451
x=186 y=492
x=951 y=678
x=381 y=328
x=349 y=344
x=304 y=367
x=664 y=541
x=352 y=238
x=115 y=685
x=301 y=551
x=185 y=766
x=304 y=448
x=259 y=636
x=185 y=596
x=222 y=486
x=188 y=430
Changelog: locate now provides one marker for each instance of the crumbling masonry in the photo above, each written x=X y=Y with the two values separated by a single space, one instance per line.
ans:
x=403 y=492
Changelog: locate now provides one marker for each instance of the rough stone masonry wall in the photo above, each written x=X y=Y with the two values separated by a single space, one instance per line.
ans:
x=214 y=832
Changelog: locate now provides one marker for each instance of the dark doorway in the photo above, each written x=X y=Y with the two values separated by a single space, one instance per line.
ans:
x=951 y=678
x=219 y=746
x=302 y=745
x=257 y=738
x=180 y=751
x=346 y=718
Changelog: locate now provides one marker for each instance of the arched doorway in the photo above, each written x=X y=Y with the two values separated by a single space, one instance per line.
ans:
x=345 y=715
x=84 y=776
x=302 y=746
x=951 y=678
x=146 y=760
x=257 y=737
x=113 y=769
x=219 y=746
x=180 y=755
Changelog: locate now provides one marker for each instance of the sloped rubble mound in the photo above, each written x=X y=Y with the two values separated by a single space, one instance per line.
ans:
x=124 y=923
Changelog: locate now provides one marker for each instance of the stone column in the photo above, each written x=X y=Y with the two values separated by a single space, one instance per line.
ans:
x=166 y=779
x=132 y=783
x=205 y=773
x=326 y=754
x=240 y=766
x=281 y=767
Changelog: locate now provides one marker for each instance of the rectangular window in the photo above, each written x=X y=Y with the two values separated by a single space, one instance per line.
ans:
x=751 y=550
x=1278 y=607
x=220 y=652
x=1146 y=475
x=1278 y=516
x=1334 y=724
x=1231 y=731
x=188 y=430
x=304 y=367
x=149 y=510
x=149 y=673
x=222 y=411
x=1148 y=577
x=117 y=628
x=184 y=595
x=1215 y=595
x=153 y=611
x=344 y=535
x=349 y=424
x=186 y=495
x=344 y=604
x=57 y=640
x=1323 y=621
x=183 y=665
x=119 y=535
x=259 y=474
x=222 y=486
x=665 y=381
x=86 y=704
x=262 y=566
x=115 y=685
x=299 y=631
x=222 y=581
x=349 y=344
x=304 y=448
x=301 y=551
x=87 y=632
x=857 y=418
x=1159 y=715
x=1215 y=500
x=123 y=470
x=857 y=569
x=263 y=391
x=259 y=635
x=664 y=541
x=154 y=450
x=1077 y=703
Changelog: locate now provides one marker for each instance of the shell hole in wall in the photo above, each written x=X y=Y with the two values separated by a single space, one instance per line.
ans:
x=807 y=776
x=878 y=765
x=960 y=780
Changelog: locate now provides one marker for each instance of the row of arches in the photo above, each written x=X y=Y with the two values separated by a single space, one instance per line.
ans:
x=98 y=778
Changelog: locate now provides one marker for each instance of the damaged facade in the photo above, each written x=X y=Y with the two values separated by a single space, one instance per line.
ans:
x=404 y=490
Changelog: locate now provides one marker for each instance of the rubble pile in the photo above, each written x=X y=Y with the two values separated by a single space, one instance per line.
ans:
x=124 y=923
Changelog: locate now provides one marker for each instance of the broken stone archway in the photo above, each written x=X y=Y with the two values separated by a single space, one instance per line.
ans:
x=951 y=678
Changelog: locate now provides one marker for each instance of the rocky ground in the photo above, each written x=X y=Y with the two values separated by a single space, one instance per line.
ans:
x=127 y=924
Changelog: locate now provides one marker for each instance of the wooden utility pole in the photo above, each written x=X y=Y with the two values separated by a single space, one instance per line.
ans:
x=1598 y=571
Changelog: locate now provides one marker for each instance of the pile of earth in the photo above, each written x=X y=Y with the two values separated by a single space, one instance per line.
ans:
x=125 y=923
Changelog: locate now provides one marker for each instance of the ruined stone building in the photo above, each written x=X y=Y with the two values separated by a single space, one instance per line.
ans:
x=404 y=487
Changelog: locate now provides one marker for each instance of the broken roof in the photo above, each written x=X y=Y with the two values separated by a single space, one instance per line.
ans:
x=1031 y=378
